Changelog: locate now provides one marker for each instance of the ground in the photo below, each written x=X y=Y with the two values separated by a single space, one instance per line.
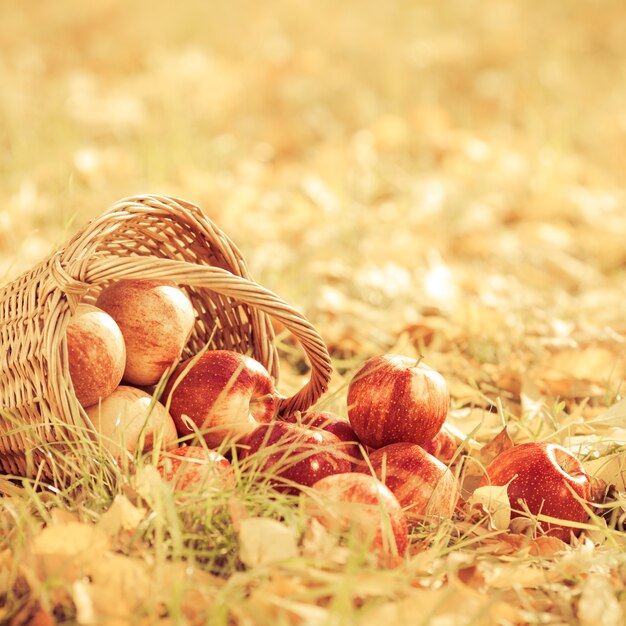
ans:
x=443 y=179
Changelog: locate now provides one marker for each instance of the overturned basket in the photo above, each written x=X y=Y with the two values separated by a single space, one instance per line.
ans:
x=140 y=237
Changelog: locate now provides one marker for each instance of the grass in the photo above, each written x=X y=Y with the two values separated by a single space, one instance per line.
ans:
x=432 y=179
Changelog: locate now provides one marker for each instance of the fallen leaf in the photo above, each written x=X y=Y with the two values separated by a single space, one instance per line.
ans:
x=494 y=501
x=68 y=550
x=474 y=466
x=611 y=469
x=613 y=416
x=121 y=515
x=526 y=574
x=263 y=541
x=120 y=587
x=598 y=605
x=148 y=483
x=545 y=546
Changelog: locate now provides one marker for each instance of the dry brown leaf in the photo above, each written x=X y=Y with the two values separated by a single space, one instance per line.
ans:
x=493 y=502
x=466 y=395
x=611 y=469
x=319 y=544
x=120 y=587
x=524 y=574
x=598 y=605
x=474 y=466
x=67 y=550
x=121 y=515
x=471 y=576
x=504 y=544
x=277 y=607
x=592 y=364
x=501 y=442
x=544 y=546
x=614 y=416
x=441 y=606
x=263 y=541
x=478 y=423
x=580 y=372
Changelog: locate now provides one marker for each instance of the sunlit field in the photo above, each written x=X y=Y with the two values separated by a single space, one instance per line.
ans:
x=443 y=180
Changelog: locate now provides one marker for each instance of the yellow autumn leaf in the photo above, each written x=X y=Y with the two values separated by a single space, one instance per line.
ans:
x=263 y=541
x=610 y=468
x=67 y=550
x=494 y=500
x=121 y=515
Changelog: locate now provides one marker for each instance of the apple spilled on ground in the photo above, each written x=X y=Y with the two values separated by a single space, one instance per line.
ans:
x=384 y=458
x=546 y=479
x=394 y=398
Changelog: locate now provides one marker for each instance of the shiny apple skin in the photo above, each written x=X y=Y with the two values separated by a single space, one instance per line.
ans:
x=194 y=468
x=294 y=455
x=129 y=418
x=423 y=485
x=225 y=394
x=361 y=503
x=543 y=477
x=96 y=354
x=338 y=426
x=442 y=446
x=156 y=318
x=394 y=398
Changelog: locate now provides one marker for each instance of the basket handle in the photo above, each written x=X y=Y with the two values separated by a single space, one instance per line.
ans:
x=98 y=270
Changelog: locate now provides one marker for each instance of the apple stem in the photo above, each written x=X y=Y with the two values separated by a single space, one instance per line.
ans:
x=419 y=360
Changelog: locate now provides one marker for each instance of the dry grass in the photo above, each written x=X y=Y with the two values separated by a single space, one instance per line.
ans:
x=436 y=178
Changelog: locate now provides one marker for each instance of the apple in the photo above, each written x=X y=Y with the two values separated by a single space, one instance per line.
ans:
x=546 y=479
x=96 y=354
x=442 y=446
x=293 y=455
x=194 y=468
x=335 y=424
x=156 y=319
x=129 y=419
x=394 y=398
x=361 y=503
x=222 y=394
x=423 y=485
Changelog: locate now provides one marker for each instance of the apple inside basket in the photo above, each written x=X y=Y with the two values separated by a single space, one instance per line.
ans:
x=145 y=238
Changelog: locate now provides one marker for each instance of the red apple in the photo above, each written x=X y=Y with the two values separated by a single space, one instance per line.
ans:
x=442 y=446
x=129 y=418
x=423 y=485
x=361 y=503
x=394 y=398
x=194 y=468
x=543 y=478
x=96 y=354
x=293 y=455
x=222 y=394
x=338 y=426
x=156 y=319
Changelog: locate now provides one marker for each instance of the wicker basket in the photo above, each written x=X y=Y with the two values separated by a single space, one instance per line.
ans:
x=144 y=236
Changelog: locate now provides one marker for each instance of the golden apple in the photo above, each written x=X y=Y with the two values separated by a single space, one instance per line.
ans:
x=96 y=354
x=156 y=319
x=130 y=419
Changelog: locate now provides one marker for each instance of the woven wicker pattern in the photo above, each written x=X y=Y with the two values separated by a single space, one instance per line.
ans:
x=139 y=237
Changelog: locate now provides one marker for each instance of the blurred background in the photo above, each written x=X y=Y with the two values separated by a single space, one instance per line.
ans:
x=434 y=174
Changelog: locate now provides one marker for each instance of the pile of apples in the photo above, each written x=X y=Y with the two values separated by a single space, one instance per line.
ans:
x=376 y=472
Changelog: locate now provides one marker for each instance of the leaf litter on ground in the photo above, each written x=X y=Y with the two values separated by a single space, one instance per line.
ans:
x=459 y=197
